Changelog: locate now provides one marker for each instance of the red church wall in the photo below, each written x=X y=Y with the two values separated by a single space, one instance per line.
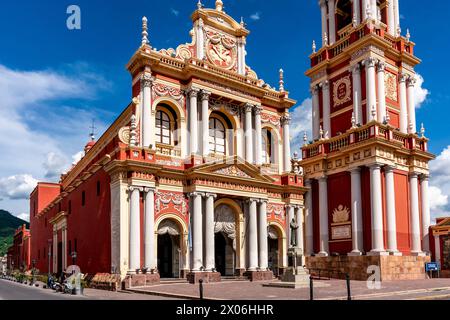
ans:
x=341 y=123
x=402 y=211
x=338 y=195
x=366 y=209
x=42 y=196
x=395 y=119
x=89 y=226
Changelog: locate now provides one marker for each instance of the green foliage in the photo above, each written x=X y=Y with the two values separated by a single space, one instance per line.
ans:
x=8 y=225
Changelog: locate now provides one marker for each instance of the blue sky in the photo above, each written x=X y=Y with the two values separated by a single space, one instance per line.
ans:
x=54 y=81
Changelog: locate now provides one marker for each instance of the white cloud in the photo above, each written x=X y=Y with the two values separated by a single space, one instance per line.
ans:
x=38 y=130
x=301 y=123
x=256 y=16
x=77 y=157
x=440 y=185
x=24 y=216
x=175 y=12
x=420 y=93
x=17 y=187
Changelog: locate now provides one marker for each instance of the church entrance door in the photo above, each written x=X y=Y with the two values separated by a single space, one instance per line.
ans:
x=169 y=250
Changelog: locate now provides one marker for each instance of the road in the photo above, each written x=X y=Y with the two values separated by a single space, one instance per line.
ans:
x=16 y=291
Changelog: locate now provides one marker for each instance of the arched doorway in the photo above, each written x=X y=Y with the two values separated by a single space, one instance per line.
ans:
x=225 y=240
x=274 y=245
x=169 y=252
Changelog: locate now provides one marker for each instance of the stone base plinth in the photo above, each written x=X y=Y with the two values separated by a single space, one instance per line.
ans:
x=140 y=280
x=391 y=267
x=259 y=275
x=207 y=277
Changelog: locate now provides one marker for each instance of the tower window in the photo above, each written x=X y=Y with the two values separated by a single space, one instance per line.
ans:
x=217 y=136
x=69 y=209
x=163 y=128
x=83 y=198
x=267 y=146
x=98 y=188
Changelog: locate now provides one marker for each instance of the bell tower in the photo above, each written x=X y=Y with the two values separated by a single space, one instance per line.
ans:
x=366 y=165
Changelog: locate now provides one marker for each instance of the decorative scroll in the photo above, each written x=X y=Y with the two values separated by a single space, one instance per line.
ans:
x=221 y=49
x=124 y=135
x=277 y=210
x=232 y=171
x=169 y=200
x=342 y=91
x=168 y=227
x=341 y=228
x=216 y=105
x=163 y=90
x=391 y=86
x=269 y=118
x=229 y=186
x=225 y=222
x=341 y=214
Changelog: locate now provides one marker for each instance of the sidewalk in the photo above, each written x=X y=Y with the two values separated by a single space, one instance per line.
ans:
x=336 y=290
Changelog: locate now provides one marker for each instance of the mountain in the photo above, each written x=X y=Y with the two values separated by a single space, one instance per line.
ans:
x=8 y=225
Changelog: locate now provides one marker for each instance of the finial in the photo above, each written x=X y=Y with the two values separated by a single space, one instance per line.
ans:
x=422 y=130
x=281 y=80
x=144 y=31
x=242 y=22
x=408 y=35
x=374 y=113
x=353 y=121
x=295 y=155
x=305 y=139
x=92 y=127
x=325 y=39
x=133 y=134
x=314 y=47
x=410 y=126
x=321 y=133
x=354 y=21
x=399 y=31
x=387 y=119
x=199 y=5
x=219 y=5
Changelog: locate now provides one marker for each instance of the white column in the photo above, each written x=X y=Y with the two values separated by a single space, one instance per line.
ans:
x=326 y=108
x=253 y=235
x=299 y=231
x=309 y=226
x=248 y=133
x=371 y=95
x=403 y=103
x=147 y=123
x=374 y=7
x=200 y=43
x=381 y=92
x=135 y=230
x=64 y=245
x=391 y=215
x=285 y=122
x=426 y=215
x=193 y=115
x=197 y=232
x=263 y=240
x=396 y=17
x=377 y=211
x=332 y=21
x=391 y=17
x=258 y=136
x=209 y=233
x=205 y=122
x=149 y=230
x=437 y=248
x=357 y=11
x=55 y=251
x=316 y=112
x=241 y=56
x=416 y=243
x=365 y=3
x=357 y=92
x=412 y=127
x=323 y=11
x=323 y=216
x=357 y=223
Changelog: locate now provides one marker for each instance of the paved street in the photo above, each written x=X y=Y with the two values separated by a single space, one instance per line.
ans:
x=16 y=291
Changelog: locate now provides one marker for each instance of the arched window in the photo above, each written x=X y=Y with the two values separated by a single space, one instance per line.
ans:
x=266 y=146
x=344 y=14
x=163 y=128
x=217 y=136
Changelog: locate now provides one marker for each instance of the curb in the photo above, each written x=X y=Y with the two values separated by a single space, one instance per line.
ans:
x=169 y=295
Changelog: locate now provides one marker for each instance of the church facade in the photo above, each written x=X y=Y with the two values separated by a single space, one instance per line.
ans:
x=367 y=163
x=193 y=180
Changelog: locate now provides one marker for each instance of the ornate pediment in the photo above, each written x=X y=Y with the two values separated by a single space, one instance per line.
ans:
x=233 y=167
